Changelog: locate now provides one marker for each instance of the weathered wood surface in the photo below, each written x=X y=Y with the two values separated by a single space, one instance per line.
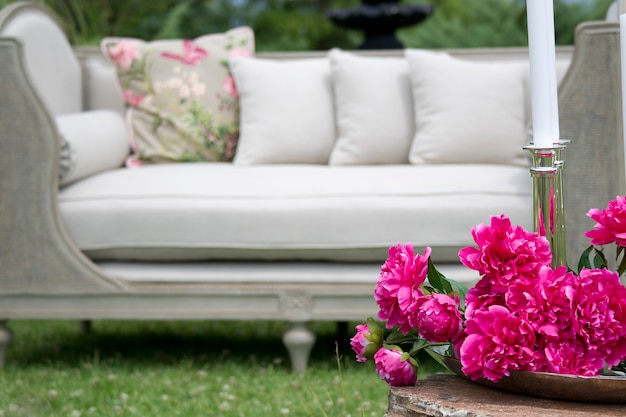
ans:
x=452 y=396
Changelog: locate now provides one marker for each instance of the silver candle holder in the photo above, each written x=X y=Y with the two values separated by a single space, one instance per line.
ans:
x=548 y=210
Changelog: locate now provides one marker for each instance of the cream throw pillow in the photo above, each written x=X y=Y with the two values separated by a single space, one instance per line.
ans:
x=467 y=111
x=287 y=114
x=374 y=109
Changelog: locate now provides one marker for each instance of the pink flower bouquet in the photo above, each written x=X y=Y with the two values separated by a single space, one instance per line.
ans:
x=522 y=314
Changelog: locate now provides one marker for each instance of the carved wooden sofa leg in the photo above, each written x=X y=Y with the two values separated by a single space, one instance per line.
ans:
x=299 y=341
x=5 y=340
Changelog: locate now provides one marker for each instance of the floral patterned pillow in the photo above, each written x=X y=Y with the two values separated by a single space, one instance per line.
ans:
x=183 y=105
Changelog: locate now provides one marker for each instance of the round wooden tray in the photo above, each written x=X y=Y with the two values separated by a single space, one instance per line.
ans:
x=599 y=389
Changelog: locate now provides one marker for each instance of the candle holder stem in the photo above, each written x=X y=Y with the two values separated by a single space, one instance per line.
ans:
x=548 y=210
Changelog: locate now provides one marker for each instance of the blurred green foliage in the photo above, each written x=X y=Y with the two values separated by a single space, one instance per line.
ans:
x=282 y=25
x=476 y=23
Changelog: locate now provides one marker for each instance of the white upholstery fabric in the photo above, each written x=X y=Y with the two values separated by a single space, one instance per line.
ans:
x=374 y=109
x=612 y=14
x=97 y=142
x=264 y=272
x=183 y=211
x=50 y=60
x=101 y=82
x=467 y=112
x=287 y=112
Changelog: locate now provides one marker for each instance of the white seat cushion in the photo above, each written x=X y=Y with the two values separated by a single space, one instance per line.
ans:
x=204 y=211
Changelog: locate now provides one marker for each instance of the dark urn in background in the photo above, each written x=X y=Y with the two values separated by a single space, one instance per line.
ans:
x=379 y=19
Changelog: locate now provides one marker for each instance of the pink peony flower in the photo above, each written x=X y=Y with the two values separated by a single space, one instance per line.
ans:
x=600 y=314
x=398 y=285
x=496 y=341
x=505 y=253
x=123 y=54
x=545 y=302
x=395 y=368
x=481 y=296
x=230 y=87
x=611 y=223
x=366 y=341
x=579 y=321
x=522 y=314
x=437 y=317
x=570 y=356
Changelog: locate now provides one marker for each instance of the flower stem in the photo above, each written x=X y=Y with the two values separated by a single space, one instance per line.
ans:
x=622 y=265
x=399 y=341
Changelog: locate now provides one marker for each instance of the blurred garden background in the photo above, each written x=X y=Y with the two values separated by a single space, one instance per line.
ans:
x=288 y=25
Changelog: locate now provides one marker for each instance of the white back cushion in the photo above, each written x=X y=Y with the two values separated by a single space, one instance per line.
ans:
x=467 y=112
x=287 y=111
x=374 y=109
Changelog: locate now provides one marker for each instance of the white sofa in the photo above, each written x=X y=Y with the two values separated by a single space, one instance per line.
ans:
x=278 y=234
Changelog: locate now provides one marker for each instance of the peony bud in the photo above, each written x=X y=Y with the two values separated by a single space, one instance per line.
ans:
x=395 y=367
x=367 y=340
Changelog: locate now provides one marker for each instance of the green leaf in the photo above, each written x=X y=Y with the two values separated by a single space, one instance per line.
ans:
x=461 y=288
x=418 y=345
x=427 y=289
x=393 y=347
x=370 y=350
x=445 y=284
x=395 y=335
x=376 y=331
x=437 y=279
x=599 y=260
x=584 y=261
x=437 y=357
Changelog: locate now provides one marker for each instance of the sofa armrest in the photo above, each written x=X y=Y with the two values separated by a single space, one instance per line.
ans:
x=36 y=255
x=590 y=111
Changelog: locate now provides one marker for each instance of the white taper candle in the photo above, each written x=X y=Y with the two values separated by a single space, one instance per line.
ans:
x=541 y=53
x=554 y=98
x=622 y=30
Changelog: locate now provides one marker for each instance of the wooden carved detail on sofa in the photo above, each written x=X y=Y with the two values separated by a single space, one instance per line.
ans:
x=296 y=304
x=36 y=254
x=590 y=112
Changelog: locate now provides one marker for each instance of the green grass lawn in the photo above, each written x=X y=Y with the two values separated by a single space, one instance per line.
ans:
x=170 y=369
